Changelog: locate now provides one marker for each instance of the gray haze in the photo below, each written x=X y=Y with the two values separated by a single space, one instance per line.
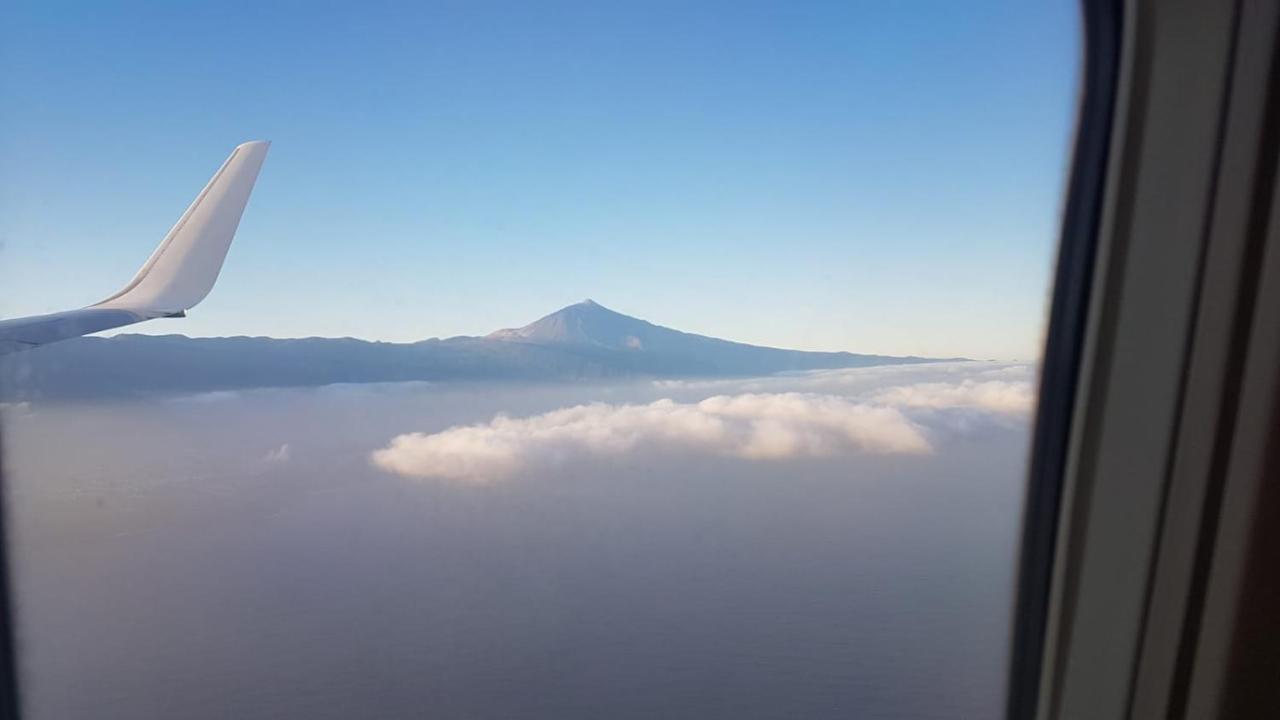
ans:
x=582 y=341
x=242 y=554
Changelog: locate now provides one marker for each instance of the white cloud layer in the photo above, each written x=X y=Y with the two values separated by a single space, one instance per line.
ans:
x=881 y=410
x=754 y=426
x=1002 y=396
x=279 y=455
x=860 y=382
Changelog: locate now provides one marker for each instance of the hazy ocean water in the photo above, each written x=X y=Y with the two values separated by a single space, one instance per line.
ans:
x=238 y=555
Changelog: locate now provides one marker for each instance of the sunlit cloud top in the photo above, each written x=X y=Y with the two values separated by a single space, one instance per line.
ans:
x=760 y=426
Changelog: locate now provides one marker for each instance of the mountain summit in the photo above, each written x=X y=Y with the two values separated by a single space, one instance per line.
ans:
x=633 y=346
x=586 y=323
x=581 y=341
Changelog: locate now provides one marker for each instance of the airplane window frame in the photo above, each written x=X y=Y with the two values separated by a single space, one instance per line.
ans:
x=9 y=698
x=1160 y=547
x=1102 y=26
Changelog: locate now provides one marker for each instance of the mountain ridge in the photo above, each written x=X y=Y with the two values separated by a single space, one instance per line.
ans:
x=581 y=341
x=590 y=323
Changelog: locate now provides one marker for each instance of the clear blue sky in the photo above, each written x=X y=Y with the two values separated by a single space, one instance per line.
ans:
x=869 y=176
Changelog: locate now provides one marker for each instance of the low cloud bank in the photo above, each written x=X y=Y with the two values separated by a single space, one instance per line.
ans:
x=279 y=455
x=1001 y=396
x=754 y=426
x=823 y=413
x=864 y=383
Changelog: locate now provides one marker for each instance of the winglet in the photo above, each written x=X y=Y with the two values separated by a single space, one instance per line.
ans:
x=182 y=269
x=178 y=274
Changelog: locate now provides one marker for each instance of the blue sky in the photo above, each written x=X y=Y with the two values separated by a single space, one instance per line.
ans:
x=874 y=176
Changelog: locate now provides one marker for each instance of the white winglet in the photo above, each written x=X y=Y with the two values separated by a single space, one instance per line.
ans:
x=183 y=268
x=177 y=276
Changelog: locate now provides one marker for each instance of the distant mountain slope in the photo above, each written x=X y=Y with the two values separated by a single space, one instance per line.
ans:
x=642 y=347
x=589 y=323
x=585 y=340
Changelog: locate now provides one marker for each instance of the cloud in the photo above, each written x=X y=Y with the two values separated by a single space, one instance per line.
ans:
x=863 y=383
x=279 y=455
x=888 y=409
x=1013 y=397
x=212 y=396
x=754 y=426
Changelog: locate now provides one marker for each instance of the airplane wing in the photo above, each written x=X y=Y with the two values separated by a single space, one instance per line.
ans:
x=177 y=276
